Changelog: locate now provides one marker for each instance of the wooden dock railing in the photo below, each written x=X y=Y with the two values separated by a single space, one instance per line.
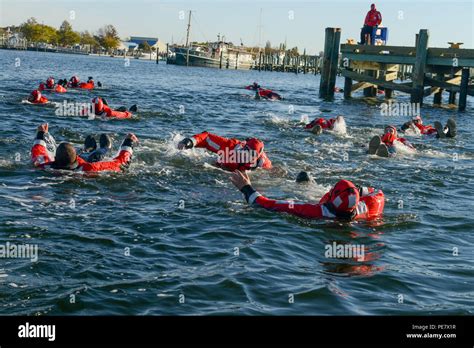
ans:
x=434 y=70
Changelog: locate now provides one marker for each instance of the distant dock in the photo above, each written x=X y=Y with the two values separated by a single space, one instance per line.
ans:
x=282 y=61
x=24 y=47
x=433 y=70
x=306 y=64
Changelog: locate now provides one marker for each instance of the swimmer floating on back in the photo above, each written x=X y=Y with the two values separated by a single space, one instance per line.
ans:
x=45 y=154
x=385 y=145
x=417 y=126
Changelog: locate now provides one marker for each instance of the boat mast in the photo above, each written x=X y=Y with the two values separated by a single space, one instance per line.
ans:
x=189 y=28
x=260 y=31
x=187 y=39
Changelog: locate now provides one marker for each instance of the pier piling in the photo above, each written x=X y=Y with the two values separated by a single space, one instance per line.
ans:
x=437 y=98
x=348 y=87
x=419 y=68
x=463 y=89
x=330 y=59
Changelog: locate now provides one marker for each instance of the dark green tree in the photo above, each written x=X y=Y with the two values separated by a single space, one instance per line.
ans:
x=67 y=36
x=108 y=37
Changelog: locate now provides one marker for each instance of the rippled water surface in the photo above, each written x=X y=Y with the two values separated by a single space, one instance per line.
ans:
x=183 y=221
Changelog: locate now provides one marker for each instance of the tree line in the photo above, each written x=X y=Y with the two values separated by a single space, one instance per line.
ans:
x=269 y=50
x=106 y=37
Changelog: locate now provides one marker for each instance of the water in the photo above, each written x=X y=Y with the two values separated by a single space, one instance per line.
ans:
x=83 y=226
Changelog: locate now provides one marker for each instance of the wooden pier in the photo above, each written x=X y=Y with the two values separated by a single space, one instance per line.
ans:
x=431 y=70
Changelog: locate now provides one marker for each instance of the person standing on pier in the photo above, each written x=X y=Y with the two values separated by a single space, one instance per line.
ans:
x=372 y=20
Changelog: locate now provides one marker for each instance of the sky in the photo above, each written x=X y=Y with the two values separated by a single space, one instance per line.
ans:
x=300 y=23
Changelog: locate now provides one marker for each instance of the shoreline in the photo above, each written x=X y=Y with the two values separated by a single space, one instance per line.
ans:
x=31 y=49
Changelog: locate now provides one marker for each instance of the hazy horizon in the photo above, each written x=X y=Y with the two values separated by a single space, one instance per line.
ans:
x=299 y=23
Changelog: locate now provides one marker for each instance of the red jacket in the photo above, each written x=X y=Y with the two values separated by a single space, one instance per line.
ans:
x=373 y=18
x=56 y=88
x=83 y=85
x=116 y=114
x=268 y=93
x=42 y=159
x=224 y=147
x=108 y=112
x=370 y=206
x=43 y=100
x=325 y=124
x=401 y=140
x=87 y=85
x=426 y=129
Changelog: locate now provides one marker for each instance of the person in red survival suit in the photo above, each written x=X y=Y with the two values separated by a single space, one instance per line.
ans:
x=390 y=135
x=344 y=201
x=253 y=87
x=74 y=82
x=319 y=124
x=233 y=153
x=324 y=124
x=267 y=94
x=66 y=157
x=102 y=109
x=384 y=145
x=50 y=85
x=89 y=84
x=37 y=98
x=438 y=130
x=372 y=20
